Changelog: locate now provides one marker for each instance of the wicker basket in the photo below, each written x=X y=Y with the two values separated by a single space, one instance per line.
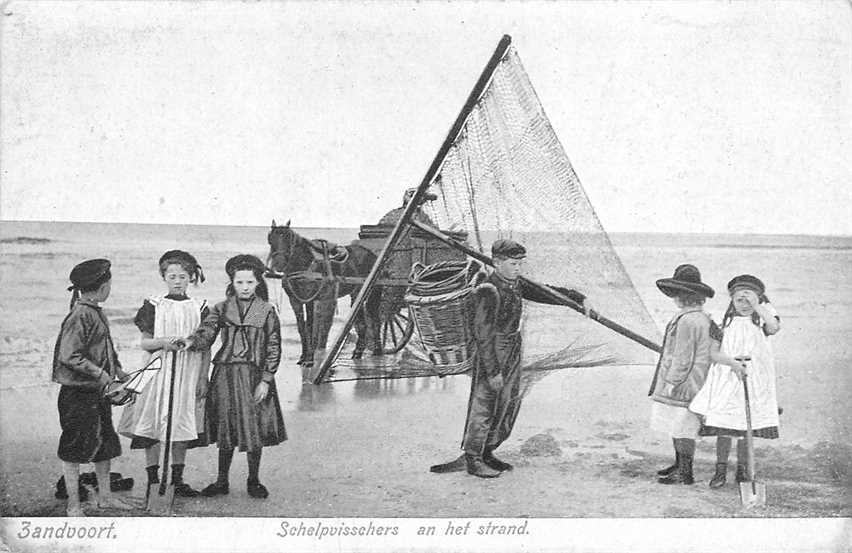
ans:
x=439 y=299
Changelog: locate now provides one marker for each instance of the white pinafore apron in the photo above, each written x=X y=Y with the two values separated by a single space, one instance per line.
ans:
x=721 y=401
x=146 y=417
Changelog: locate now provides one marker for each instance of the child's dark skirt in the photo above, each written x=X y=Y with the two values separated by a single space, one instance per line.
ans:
x=87 y=432
x=233 y=419
x=769 y=433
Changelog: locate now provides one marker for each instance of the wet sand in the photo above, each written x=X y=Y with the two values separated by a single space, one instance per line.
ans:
x=581 y=448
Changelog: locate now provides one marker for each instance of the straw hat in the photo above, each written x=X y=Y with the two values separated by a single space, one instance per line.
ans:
x=687 y=278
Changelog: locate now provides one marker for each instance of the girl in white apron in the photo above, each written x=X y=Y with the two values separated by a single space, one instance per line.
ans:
x=163 y=320
x=746 y=327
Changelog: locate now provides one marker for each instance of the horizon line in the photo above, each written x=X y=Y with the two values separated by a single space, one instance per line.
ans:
x=2 y=220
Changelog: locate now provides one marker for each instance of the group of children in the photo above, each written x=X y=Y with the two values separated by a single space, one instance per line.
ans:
x=238 y=409
x=698 y=388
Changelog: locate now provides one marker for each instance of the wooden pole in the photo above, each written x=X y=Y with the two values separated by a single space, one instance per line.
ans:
x=561 y=298
x=414 y=204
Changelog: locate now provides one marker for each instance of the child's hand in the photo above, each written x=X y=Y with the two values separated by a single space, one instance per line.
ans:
x=260 y=391
x=104 y=379
x=188 y=343
x=739 y=367
x=751 y=297
x=173 y=343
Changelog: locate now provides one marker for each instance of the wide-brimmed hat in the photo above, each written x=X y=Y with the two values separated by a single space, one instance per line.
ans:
x=243 y=262
x=687 y=278
x=89 y=273
x=746 y=282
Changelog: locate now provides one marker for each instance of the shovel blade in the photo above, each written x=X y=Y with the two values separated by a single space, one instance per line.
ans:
x=160 y=504
x=752 y=494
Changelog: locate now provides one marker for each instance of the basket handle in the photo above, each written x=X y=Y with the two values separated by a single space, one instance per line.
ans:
x=416 y=269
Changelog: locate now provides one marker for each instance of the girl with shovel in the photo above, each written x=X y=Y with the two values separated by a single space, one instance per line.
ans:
x=163 y=320
x=744 y=350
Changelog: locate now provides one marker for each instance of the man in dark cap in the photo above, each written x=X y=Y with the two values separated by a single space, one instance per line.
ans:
x=84 y=362
x=495 y=397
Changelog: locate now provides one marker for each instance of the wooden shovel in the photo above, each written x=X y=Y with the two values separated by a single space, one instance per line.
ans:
x=752 y=492
x=161 y=496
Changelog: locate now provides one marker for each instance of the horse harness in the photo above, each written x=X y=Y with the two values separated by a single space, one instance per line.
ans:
x=322 y=254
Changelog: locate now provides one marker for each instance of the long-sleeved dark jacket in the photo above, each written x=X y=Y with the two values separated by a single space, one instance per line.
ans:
x=497 y=317
x=685 y=359
x=254 y=338
x=84 y=348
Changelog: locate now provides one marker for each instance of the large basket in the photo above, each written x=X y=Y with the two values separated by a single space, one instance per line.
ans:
x=440 y=301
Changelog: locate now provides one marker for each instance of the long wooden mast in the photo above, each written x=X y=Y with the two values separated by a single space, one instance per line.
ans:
x=414 y=204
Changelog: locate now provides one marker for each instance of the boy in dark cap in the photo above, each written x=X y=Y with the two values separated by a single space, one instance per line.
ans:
x=84 y=362
x=495 y=397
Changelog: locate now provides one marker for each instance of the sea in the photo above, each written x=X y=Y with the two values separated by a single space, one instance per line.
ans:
x=808 y=278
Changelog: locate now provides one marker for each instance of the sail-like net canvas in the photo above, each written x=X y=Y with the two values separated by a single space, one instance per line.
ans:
x=506 y=175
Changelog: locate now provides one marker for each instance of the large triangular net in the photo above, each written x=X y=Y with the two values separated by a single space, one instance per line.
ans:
x=506 y=176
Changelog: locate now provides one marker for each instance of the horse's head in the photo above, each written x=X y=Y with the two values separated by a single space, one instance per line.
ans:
x=281 y=243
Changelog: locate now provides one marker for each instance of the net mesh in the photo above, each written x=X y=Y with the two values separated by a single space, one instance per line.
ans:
x=507 y=176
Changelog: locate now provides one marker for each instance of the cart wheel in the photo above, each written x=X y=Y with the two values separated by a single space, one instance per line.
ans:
x=395 y=329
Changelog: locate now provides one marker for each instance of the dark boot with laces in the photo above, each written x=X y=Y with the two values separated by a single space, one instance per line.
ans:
x=720 y=477
x=182 y=489
x=256 y=489
x=216 y=488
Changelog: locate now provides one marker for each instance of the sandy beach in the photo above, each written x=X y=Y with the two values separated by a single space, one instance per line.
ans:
x=581 y=446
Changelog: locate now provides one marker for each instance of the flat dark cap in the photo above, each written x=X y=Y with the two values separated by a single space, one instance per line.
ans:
x=243 y=262
x=179 y=255
x=508 y=248
x=88 y=273
x=746 y=282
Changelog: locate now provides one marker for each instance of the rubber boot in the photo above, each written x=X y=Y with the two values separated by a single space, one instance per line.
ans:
x=489 y=459
x=477 y=467
x=683 y=474
x=670 y=469
x=720 y=477
x=456 y=465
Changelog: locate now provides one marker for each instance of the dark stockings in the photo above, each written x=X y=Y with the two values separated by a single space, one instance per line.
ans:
x=253 y=458
x=225 y=458
x=723 y=449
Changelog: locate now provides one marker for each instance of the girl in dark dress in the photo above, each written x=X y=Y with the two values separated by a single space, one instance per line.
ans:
x=243 y=410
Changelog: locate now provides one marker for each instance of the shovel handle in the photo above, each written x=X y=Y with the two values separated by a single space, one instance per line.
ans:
x=749 y=432
x=167 y=448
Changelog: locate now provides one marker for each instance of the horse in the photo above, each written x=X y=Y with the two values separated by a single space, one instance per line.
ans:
x=314 y=302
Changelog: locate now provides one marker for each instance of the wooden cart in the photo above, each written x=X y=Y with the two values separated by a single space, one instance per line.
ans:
x=395 y=322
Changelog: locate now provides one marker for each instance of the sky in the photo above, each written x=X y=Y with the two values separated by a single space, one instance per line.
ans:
x=677 y=116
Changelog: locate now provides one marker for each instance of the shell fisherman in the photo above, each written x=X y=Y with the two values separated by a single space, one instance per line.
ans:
x=495 y=397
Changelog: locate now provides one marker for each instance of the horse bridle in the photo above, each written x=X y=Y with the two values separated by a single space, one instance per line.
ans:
x=286 y=276
x=273 y=253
